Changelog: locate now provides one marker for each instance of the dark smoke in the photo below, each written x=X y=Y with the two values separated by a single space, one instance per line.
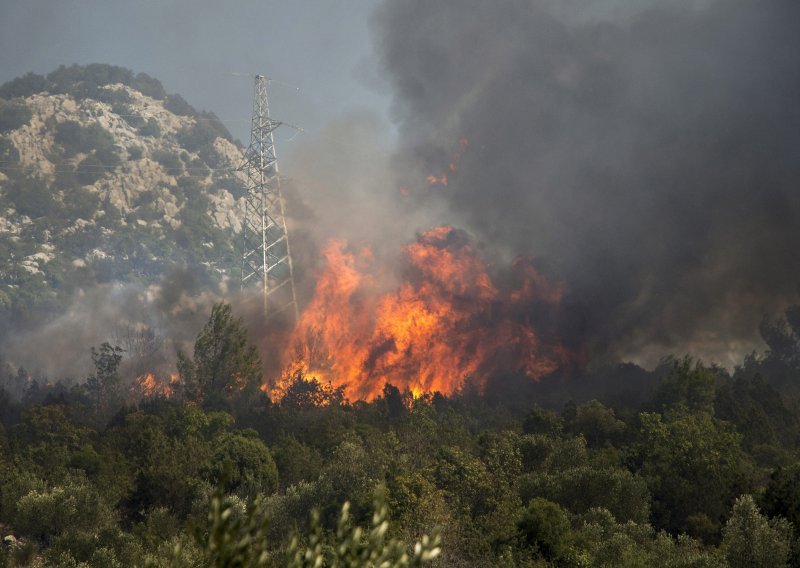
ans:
x=650 y=157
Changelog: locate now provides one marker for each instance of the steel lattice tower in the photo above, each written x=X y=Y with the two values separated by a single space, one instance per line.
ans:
x=266 y=256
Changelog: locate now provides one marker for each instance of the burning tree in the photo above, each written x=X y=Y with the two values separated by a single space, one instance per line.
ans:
x=445 y=321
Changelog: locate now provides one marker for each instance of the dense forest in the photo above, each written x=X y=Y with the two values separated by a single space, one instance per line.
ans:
x=688 y=465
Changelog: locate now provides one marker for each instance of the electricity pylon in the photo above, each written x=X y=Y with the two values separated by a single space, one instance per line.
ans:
x=266 y=255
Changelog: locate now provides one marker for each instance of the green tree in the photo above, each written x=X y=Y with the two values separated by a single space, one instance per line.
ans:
x=694 y=466
x=296 y=461
x=689 y=384
x=542 y=421
x=545 y=527
x=597 y=423
x=225 y=364
x=750 y=539
x=580 y=489
x=770 y=427
x=75 y=506
x=243 y=464
x=782 y=494
x=177 y=104
x=104 y=386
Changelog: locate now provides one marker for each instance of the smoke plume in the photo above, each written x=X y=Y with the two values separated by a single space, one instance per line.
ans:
x=646 y=154
x=150 y=322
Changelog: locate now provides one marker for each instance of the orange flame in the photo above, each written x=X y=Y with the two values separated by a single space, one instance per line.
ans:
x=452 y=166
x=445 y=322
x=441 y=180
x=149 y=385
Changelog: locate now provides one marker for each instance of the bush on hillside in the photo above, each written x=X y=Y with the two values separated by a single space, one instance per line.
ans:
x=25 y=86
x=13 y=114
x=78 y=139
x=150 y=128
x=176 y=104
x=9 y=155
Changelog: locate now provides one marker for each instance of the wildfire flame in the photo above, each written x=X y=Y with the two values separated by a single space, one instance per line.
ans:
x=149 y=385
x=446 y=321
x=452 y=166
x=441 y=180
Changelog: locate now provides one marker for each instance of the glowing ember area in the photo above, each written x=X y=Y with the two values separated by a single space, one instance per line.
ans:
x=149 y=385
x=452 y=166
x=441 y=180
x=446 y=321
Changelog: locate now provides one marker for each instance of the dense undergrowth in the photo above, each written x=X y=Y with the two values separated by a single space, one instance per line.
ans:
x=684 y=466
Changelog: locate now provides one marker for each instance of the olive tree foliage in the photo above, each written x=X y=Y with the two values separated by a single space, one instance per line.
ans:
x=751 y=539
x=355 y=547
x=225 y=362
x=239 y=538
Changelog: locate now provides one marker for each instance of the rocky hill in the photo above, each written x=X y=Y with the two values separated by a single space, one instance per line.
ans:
x=105 y=177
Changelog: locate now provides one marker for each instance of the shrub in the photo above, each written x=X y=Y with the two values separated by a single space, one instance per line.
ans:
x=75 y=78
x=89 y=170
x=80 y=202
x=197 y=167
x=111 y=217
x=65 y=178
x=242 y=465
x=31 y=197
x=149 y=86
x=210 y=156
x=545 y=526
x=135 y=153
x=77 y=506
x=150 y=128
x=234 y=185
x=69 y=135
x=107 y=156
x=76 y=138
x=168 y=160
x=9 y=155
x=202 y=134
x=176 y=104
x=114 y=97
x=127 y=114
x=25 y=86
x=83 y=80
x=13 y=114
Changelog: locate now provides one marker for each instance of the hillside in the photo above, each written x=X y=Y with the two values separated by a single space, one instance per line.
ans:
x=104 y=177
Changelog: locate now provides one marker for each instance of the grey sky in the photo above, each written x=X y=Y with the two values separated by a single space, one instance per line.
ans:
x=193 y=46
